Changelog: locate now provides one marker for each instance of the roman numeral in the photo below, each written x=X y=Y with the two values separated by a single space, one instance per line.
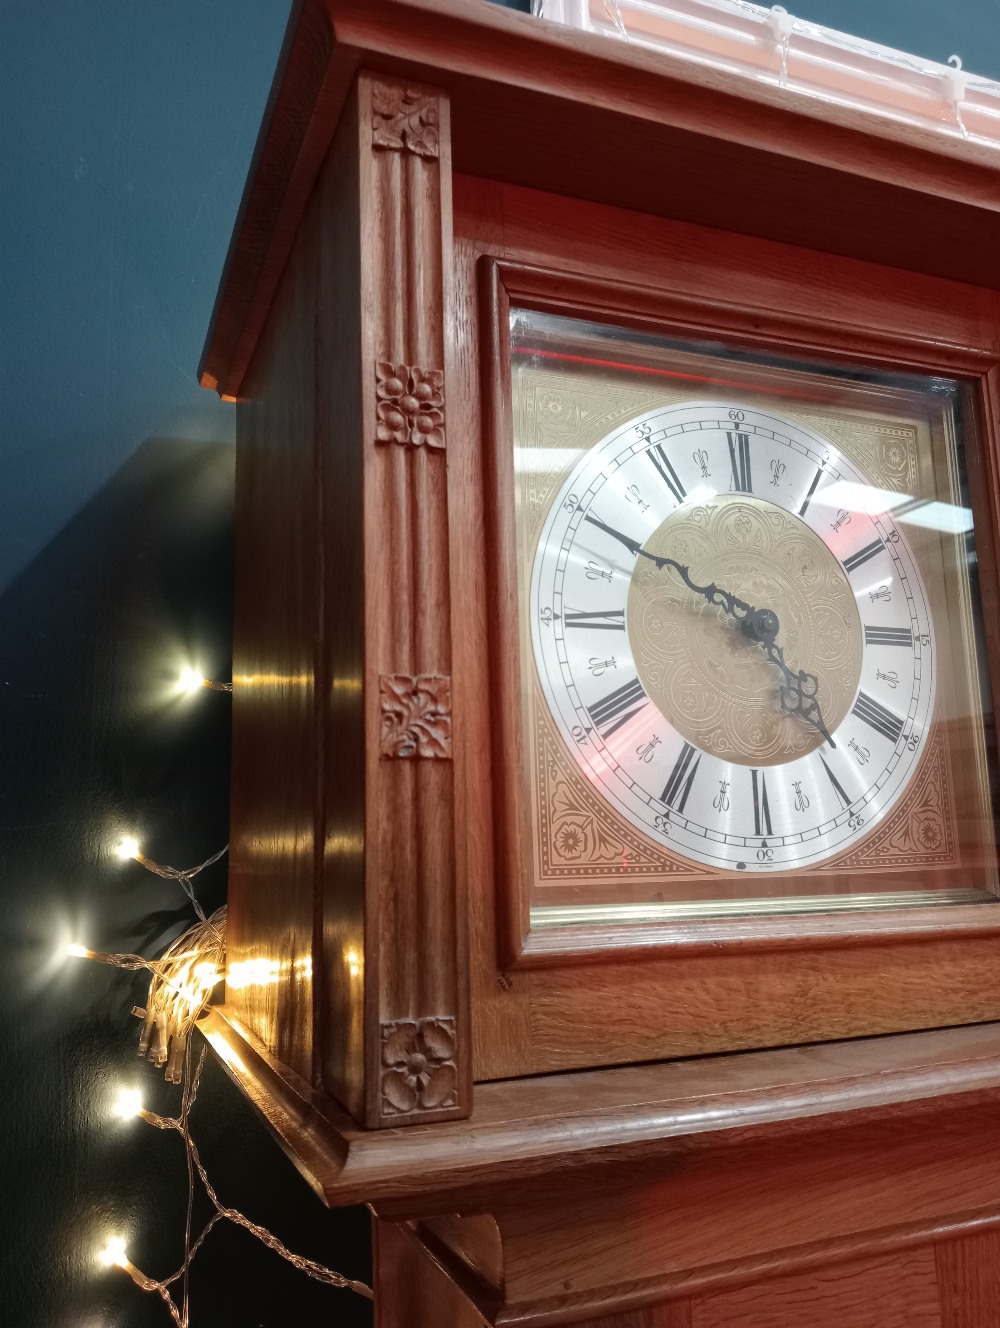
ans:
x=614 y=708
x=889 y=636
x=666 y=472
x=835 y=782
x=681 y=778
x=877 y=717
x=739 y=456
x=761 y=811
x=610 y=620
x=812 y=489
x=862 y=555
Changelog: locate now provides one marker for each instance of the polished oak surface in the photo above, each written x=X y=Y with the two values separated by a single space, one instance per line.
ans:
x=829 y=1177
x=522 y=1129
x=950 y=1283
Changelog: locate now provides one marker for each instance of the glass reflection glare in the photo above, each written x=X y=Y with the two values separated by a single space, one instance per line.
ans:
x=861 y=498
x=946 y=517
x=252 y=973
x=871 y=501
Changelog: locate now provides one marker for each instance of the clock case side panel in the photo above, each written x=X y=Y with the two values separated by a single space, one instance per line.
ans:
x=272 y=870
x=343 y=833
x=340 y=730
x=681 y=989
x=293 y=899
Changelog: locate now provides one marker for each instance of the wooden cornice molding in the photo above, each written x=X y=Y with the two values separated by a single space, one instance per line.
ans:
x=540 y=105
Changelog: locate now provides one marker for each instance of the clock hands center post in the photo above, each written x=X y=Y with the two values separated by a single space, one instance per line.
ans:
x=798 y=693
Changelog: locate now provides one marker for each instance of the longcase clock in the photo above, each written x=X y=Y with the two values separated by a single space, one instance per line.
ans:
x=615 y=763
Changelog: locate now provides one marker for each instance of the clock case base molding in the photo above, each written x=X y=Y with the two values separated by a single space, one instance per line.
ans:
x=847 y=1179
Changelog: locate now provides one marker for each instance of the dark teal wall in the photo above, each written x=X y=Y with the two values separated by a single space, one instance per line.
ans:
x=929 y=28
x=126 y=129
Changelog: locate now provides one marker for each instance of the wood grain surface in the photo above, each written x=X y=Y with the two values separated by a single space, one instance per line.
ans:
x=275 y=759
x=968 y=1276
x=413 y=1291
x=890 y=1291
x=344 y=880
x=950 y=1285
x=337 y=742
x=524 y=1131
x=811 y=1181
x=415 y=946
x=545 y=106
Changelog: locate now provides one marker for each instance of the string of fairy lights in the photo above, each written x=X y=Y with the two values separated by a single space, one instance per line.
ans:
x=182 y=982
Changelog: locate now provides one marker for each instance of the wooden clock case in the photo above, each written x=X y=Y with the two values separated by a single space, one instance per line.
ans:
x=423 y=165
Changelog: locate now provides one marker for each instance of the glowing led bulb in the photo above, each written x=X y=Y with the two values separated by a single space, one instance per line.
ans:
x=113 y=1255
x=128 y=1103
x=128 y=848
x=190 y=681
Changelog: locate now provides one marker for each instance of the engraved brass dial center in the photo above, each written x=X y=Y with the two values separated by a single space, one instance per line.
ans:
x=712 y=683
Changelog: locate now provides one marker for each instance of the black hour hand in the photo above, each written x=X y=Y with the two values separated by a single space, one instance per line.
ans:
x=798 y=692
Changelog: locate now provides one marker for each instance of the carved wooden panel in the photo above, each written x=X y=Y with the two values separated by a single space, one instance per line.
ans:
x=414 y=933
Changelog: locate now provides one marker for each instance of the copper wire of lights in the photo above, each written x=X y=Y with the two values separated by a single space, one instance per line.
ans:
x=181 y=984
x=114 y=1254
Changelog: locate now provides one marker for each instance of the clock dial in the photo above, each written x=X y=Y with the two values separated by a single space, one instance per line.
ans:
x=739 y=657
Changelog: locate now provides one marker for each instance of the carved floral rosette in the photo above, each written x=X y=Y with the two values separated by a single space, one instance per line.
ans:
x=418 y=1065
x=410 y=405
x=404 y=120
x=416 y=715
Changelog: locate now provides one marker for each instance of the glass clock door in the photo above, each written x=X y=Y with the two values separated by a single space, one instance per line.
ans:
x=752 y=672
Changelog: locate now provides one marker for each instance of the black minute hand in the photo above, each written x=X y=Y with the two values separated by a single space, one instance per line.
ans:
x=798 y=690
x=632 y=545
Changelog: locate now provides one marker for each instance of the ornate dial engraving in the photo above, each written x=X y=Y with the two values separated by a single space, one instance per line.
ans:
x=679 y=687
x=716 y=687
